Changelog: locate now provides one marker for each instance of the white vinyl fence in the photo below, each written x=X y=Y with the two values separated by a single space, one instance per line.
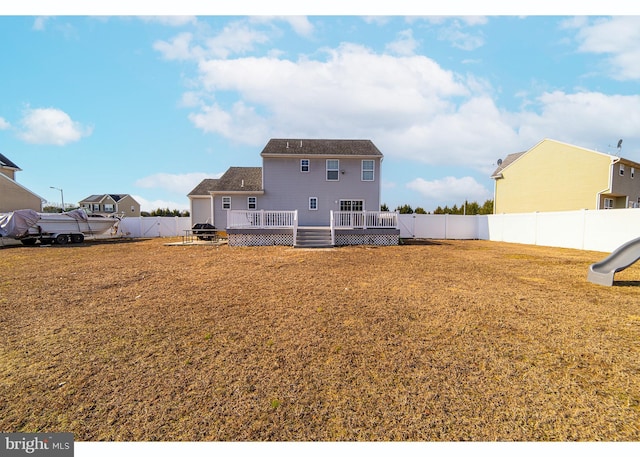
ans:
x=153 y=227
x=602 y=230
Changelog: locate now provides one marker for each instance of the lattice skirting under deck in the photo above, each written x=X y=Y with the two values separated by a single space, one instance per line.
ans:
x=374 y=239
x=260 y=239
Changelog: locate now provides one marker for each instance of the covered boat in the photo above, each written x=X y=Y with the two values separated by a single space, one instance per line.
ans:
x=30 y=226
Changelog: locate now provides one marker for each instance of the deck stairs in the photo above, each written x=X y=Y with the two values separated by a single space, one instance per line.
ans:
x=313 y=237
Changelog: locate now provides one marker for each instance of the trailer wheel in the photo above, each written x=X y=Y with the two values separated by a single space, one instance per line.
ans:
x=62 y=239
x=77 y=238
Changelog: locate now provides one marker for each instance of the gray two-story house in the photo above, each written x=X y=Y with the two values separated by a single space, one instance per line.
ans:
x=303 y=183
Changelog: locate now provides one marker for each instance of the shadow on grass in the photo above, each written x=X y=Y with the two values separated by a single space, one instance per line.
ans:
x=8 y=243
x=627 y=283
x=420 y=242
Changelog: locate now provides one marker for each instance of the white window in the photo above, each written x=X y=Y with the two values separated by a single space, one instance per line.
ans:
x=304 y=165
x=133 y=209
x=633 y=172
x=313 y=203
x=367 y=170
x=608 y=203
x=108 y=208
x=226 y=202
x=96 y=207
x=621 y=170
x=252 y=202
x=333 y=170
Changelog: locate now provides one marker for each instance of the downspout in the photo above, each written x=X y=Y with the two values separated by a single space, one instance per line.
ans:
x=212 y=218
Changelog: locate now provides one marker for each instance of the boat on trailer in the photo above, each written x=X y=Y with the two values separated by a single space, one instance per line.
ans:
x=30 y=226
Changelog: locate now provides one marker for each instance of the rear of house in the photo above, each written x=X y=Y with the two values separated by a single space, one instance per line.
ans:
x=325 y=184
x=319 y=176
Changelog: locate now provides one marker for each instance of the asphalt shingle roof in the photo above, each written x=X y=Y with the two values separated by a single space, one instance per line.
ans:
x=235 y=179
x=506 y=162
x=301 y=146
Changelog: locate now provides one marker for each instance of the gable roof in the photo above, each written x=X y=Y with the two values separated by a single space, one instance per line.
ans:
x=6 y=163
x=205 y=186
x=306 y=147
x=505 y=163
x=235 y=179
x=98 y=198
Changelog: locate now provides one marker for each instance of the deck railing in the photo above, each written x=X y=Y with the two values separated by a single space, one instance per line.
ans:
x=364 y=219
x=262 y=219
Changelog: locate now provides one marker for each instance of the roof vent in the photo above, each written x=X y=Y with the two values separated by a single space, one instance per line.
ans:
x=287 y=145
x=242 y=183
x=300 y=143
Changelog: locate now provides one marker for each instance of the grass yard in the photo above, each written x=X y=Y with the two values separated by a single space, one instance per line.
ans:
x=450 y=340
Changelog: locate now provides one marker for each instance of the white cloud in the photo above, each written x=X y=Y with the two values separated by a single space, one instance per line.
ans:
x=150 y=205
x=582 y=118
x=51 y=126
x=405 y=45
x=171 y=21
x=615 y=37
x=179 y=48
x=300 y=24
x=40 y=22
x=177 y=183
x=450 y=190
x=4 y=124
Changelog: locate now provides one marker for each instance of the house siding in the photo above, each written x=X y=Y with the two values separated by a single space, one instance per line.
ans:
x=14 y=197
x=553 y=176
x=625 y=189
x=201 y=210
x=288 y=188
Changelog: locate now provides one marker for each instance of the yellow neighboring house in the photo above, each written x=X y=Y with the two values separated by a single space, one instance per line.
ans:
x=14 y=196
x=556 y=176
x=108 y=204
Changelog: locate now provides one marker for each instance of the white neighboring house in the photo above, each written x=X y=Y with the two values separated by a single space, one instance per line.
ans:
x=14 y=196
x=325 y=184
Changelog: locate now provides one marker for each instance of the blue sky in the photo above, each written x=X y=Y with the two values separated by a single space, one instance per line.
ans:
x=151 y=105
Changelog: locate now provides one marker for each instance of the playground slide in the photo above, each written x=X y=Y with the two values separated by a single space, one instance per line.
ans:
x=626 y=255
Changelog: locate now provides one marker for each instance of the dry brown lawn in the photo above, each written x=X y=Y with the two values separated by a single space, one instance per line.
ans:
x=449 y=340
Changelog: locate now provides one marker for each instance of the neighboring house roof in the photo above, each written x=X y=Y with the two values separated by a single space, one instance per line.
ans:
x=505 y=163
x=306 y=147
x=98 y=198
x=5 y=162
x=235 y=179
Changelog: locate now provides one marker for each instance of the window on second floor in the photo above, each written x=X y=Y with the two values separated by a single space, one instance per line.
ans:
x=108 y=208
x=367 y=170
x=96 y=207
x=252 y=203
x=632 y=172
x=304 y=165
x=226 y=202
x=333 y=170
x=608 y=203
x=621 y=170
